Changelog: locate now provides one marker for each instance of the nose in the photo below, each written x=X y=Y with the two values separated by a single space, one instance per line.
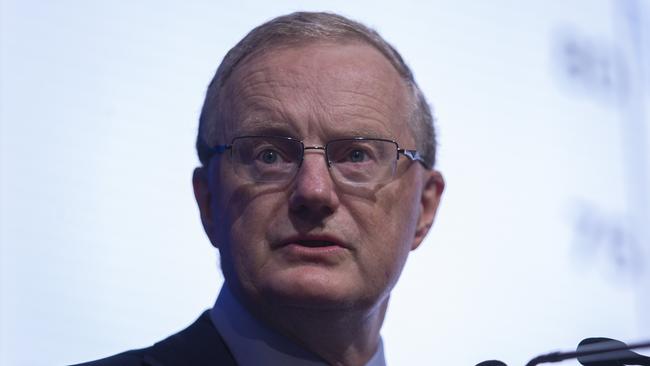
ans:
x=313 y=195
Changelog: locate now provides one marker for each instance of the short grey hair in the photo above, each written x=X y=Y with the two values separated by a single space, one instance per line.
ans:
x=300 y=28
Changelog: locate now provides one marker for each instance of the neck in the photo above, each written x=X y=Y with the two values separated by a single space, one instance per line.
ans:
x=340 y=338
x=345 y=337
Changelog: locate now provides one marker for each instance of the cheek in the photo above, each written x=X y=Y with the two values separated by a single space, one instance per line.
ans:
x=401 y=226
x=245 y=215
x=387 y=228
x=392 y=218
x=240 y=207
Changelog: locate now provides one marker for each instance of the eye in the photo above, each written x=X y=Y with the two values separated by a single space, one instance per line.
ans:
x=268 y=156
x=357 y=156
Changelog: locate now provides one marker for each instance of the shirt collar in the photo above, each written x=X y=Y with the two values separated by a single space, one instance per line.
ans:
x=253 y=343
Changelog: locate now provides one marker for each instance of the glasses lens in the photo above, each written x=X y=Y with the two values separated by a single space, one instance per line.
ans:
x=362 y=160
x=266 y=159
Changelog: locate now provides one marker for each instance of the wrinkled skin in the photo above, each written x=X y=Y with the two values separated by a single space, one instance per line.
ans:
x=316 y=93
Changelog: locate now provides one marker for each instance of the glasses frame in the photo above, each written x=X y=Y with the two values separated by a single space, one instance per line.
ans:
x=412 y=155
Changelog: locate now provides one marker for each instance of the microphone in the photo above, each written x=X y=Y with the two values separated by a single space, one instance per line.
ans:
x=592 y=352
x=611 y=352
x=491 y=363
x=596 y=351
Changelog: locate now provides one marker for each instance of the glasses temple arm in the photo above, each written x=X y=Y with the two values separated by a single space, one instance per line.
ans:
x=412 y=154
x=220 y=149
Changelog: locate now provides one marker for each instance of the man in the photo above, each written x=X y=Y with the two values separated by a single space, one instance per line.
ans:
x=317 y=151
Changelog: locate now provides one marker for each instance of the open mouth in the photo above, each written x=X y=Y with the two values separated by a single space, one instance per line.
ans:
x=313 y=241
x=316 y=243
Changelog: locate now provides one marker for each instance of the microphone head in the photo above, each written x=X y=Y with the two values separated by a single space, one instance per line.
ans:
x=491 y=363
x=605 y=358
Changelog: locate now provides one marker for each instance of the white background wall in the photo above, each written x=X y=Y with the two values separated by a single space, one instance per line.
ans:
x=542 y=238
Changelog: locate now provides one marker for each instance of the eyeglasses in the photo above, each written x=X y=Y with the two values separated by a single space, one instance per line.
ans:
x=276 y=159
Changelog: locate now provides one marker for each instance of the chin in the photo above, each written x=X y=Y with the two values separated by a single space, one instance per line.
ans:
x=317 y=290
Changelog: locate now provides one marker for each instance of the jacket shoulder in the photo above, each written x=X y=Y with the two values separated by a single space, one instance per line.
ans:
x=129 y=358
x=200 y=344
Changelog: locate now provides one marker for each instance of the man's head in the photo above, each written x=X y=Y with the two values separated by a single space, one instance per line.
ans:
x=305 y=28
x=325 y=228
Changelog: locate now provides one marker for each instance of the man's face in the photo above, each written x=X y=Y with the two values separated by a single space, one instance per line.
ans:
x=313 y=242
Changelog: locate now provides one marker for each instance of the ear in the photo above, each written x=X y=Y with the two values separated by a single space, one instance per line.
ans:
x=434 y=185
x=204 y=201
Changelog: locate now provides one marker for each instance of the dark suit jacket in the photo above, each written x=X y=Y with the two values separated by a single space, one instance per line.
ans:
x=198 y=345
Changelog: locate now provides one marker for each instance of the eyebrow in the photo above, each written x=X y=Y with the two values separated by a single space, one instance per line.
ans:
x=267 y=127
x=359 y=132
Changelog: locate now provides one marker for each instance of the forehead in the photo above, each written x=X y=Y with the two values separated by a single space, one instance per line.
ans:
x=320 y=90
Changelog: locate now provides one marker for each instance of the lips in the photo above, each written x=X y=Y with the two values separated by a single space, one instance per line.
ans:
x=314 y=242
